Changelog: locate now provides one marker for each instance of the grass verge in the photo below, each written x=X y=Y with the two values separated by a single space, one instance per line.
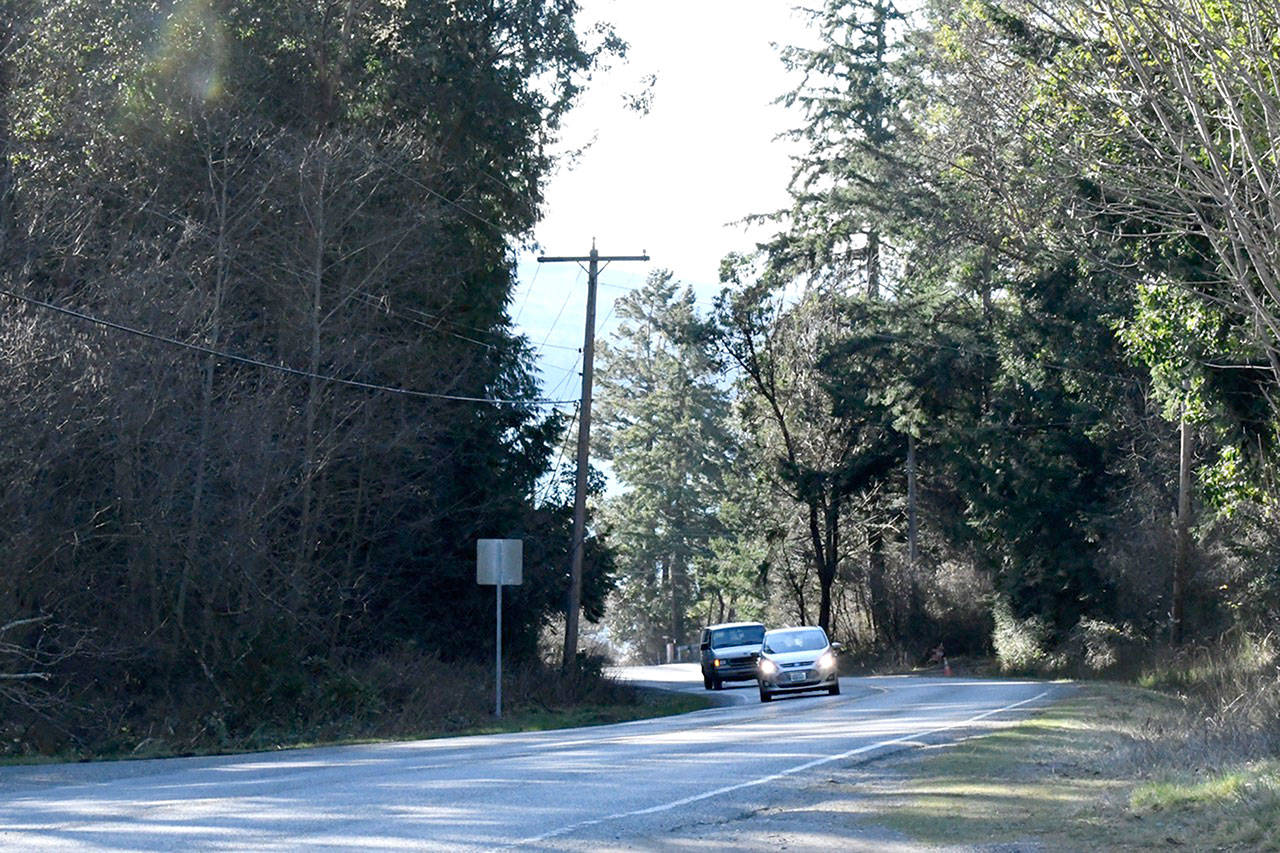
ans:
x=652 y=703
x=1082 y=775
x=649 y=704
x=407 y=696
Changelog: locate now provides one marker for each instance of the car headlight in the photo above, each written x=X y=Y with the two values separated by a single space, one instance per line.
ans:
x=768 y=667
x=827 y=661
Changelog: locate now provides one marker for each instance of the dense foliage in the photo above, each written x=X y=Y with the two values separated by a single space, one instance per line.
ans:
x=1026 y=243
x=1030 y=247
x=214 y=188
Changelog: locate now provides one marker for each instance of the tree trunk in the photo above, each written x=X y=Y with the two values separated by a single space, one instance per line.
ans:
x=314 y=208
x=1182 y=542
x=824 y=529
x=873 y=265
x=195 y=527
x=877 y=582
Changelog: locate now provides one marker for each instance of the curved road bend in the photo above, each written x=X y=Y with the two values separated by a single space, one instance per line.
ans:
x=619 y=786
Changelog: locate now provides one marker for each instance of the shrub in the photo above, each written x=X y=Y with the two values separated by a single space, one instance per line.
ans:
x=1231 y=691
x=1020 y=644
x=1094 y=647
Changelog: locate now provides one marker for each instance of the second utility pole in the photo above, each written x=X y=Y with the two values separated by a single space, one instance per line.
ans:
x=574 y=604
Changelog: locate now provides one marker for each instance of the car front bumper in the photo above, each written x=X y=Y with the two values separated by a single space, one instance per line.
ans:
x=797 y=680
x=733 y=670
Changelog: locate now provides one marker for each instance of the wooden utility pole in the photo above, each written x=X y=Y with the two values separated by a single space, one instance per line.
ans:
x=1182 y=542
x=574 y=604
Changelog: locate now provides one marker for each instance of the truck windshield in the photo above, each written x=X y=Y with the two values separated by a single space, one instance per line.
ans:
x=743 y=635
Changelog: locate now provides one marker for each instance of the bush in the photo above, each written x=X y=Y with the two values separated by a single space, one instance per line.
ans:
x=1020 y=644
x=1093 y=647
x=1231 y=691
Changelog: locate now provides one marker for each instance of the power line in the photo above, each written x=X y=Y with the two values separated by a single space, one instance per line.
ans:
x=375 y=302
x=569 y=371
x=528 y=293
x=626 y=288
x=568 y=295
x=565 y=374
x=560 y=458
x=281 y=368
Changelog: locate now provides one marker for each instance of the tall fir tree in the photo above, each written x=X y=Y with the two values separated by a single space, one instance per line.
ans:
x=664 y=429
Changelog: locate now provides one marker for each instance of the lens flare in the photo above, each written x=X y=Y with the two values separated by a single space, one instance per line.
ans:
x=191 y=52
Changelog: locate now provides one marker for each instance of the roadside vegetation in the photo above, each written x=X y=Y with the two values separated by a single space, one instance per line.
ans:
x=411 y=696
x=262 y=390
x=1005 y=379
x=1188 y=761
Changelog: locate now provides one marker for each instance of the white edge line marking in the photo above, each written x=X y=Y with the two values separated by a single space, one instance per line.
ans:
x=773 y=777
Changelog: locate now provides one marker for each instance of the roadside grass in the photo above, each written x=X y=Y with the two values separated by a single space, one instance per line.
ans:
x=409 y=697
x=1237 y=809
x=1083 y=775
x=648 y=704
x=652 y=703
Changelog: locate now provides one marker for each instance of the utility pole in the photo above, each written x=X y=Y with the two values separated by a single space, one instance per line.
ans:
x=574 y=604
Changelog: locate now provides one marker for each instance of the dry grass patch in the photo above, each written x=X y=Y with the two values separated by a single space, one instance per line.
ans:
x=1238 y=809
x=1078 y=776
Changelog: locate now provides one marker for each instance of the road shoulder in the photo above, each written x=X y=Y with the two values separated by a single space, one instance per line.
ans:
x=1091 y=769
x=1086 y=772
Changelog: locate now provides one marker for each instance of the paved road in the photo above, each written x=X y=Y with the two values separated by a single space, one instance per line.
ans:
x=666 y=782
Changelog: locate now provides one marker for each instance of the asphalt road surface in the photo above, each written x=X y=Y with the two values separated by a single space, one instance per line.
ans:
x=676 y=783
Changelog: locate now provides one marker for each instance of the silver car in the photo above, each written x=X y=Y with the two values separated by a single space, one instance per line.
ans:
x=793 y=660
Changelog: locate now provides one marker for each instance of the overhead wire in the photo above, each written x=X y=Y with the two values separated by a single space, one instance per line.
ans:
x=280 y=368
x=537 y=268
x=571 y=370
x=577 y=409
x=917 y=342
x=564 y=377
x=626 y=288
x=991 y=353
x=551 y=331
x=373 y=300
x=554 y=475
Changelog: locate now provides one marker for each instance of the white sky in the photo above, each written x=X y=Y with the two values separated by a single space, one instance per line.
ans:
x=668 y=183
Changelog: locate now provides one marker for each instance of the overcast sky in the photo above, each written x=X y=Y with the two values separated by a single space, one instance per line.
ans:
x=671 y=182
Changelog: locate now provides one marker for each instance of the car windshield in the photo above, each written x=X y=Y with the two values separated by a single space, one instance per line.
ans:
x=804 y=640
x=742 y=635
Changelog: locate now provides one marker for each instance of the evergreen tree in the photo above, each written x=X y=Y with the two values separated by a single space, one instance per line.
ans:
x=663 y=417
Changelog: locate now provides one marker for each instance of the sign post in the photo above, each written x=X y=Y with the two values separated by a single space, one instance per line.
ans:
x=499 y=562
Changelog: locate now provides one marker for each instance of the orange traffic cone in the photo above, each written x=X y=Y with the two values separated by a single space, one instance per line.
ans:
x=946 y=668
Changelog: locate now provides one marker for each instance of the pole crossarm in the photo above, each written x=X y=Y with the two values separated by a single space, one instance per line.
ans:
x=574 y=604
x=549 y=259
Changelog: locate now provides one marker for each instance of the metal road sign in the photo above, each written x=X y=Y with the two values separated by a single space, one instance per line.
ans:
x=500 y=562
